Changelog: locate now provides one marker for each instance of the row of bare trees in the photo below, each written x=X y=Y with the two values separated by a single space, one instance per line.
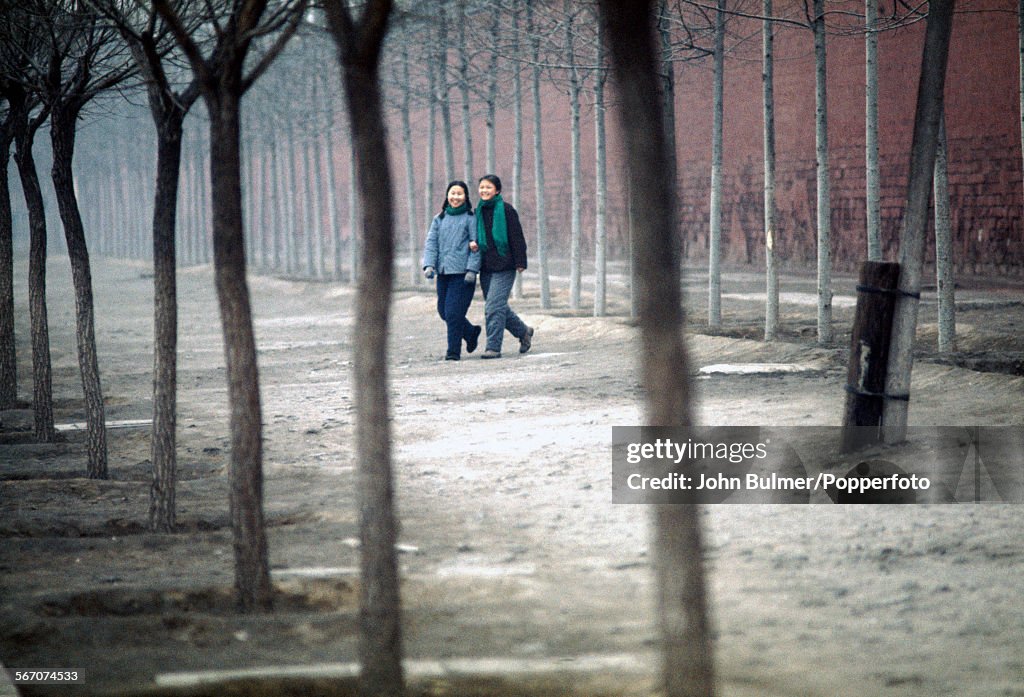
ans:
x=56 y=58
x=215 y=47
x=62 y=56
x=295 y=149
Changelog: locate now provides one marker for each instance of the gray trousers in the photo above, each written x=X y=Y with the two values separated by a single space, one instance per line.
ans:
x=497 y=285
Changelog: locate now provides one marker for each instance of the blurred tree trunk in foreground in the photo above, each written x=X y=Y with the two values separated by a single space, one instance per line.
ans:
x=685 y=636
x=380 y=631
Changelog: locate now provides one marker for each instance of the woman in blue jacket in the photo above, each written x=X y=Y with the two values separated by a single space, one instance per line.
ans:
x=446 y=254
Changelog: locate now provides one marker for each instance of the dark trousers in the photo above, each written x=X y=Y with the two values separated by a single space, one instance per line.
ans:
x=454 y=296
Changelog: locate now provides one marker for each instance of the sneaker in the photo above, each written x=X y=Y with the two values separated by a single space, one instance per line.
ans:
x=474 y=338
x=526 y=340
x=451 y=357
x=491 y=353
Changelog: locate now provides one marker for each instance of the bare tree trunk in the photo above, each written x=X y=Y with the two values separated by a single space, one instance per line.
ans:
x=428 y=165
x=266 y=195
x=162 y=510
x=245 y=169
x=944 y=281
x=1020 y=45
x=120 y=218
x=538 y=163
x=576 y=232
x=291 y=195
x=334 y=226
x=142 y=243
x=137 y=210
x=122 y=207
x=715 y=236
x=354 y=234
x=117 y=201
x=186 y=212
x=123 y=203
x=252 y=567
x=687 y=663
x=333 y=213
x=380 y=637
x=442 y=96
x=824 y=205
x=281 y=197
x=332 y=181
x=200 y=230
x=133 y=218
x=290 y=228
x=62 y=137
x=314 y=183
x=667 y=77
x=517 y=132
x=223 y=83
x=100 y=186
x=256 y=202
x=410 y=173
x=8 y=354
x=687 y=667
x=915 y=218
x=203 y=205
x=168 y=111
x=197 y=238
x=105 y=214
x=42 y=376
x=127 y=204
x=771 y=314
x=492 y=98
x=631 y=238
x=601 y=187
x=467 y=126
x=113 y=213
x=309 y=211
x=190 y=212
x=872 y=176
x=277 y=209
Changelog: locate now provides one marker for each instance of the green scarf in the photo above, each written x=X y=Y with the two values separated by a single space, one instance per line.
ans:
x=448 y=210
x=499 y=229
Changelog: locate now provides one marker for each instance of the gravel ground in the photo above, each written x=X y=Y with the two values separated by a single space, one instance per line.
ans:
x=510 y=547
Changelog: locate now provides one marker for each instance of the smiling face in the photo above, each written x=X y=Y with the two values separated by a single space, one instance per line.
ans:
x=487 y=190
x=457 y=195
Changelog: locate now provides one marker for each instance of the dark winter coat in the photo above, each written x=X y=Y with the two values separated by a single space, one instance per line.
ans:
x=516 y=259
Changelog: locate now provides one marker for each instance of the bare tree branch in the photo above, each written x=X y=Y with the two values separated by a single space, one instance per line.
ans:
x=294 y=19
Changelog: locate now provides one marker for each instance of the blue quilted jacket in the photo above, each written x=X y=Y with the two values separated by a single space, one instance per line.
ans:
x=447 y=245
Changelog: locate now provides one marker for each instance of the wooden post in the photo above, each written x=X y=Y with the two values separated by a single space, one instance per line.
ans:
x=869 y=353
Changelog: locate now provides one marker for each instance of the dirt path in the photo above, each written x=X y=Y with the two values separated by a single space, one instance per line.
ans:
x=511 y=546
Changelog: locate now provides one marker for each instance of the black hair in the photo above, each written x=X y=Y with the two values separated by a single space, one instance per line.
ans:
x=492 y=178
x=465 y=188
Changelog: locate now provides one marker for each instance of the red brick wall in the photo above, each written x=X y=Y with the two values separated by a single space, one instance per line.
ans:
x=983 y=122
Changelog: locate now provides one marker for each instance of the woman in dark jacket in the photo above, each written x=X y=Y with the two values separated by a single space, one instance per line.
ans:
x=499 y=237
x=446 y=253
